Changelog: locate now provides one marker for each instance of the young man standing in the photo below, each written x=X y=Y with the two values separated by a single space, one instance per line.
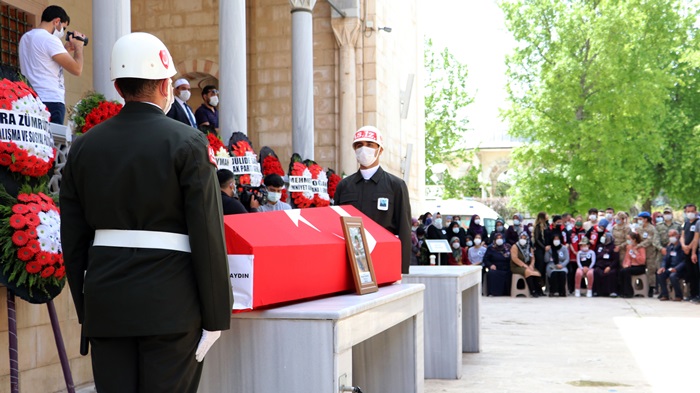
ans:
x=207 y=114
x=275 y=185
x=689 y=244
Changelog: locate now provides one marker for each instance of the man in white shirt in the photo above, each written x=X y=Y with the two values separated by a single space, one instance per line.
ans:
x=180 y=111
x=42 y=59
x=275 y=185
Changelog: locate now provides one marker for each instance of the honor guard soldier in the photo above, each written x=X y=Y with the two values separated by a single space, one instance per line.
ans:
x=142 y=234
x=381 y=196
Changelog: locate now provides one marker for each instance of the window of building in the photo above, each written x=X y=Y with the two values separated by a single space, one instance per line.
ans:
x=13 y=23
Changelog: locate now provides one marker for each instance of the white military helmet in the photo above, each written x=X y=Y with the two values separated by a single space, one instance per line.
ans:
x=369 y=134
x=143 y=56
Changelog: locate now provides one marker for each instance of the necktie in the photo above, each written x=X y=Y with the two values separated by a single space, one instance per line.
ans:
x=190 y=116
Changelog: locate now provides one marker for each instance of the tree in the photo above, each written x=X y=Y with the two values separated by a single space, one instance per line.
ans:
x=590 y=85
x=445 y=123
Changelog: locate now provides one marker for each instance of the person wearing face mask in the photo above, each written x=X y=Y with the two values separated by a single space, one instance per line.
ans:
x=522 y=262
x=462 y=232
x=664 y=224
x=500 y=228
x=180 y=111
x=455 y=230
x=585 y=259
x=476 y=227
x=207 y=114
x=42 y=59
x=593 y=235
x=577 y=234
x=606 y=267
x=557 y=258
x=609 y=215
x=540 y=239
x=229 y=203
x=647 y=231
x=459 y=254
x=672 y=267
x=497 y=261
x=421 y=250
x=619 y=233
x=514 y=230
x=476 y=250
x=689 y=243
x=633 y=264
x=378 y=194
x=149 y=275
x=275 y=185
x=436 y=231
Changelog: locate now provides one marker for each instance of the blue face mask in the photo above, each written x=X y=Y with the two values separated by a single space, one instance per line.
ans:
x=428 y=221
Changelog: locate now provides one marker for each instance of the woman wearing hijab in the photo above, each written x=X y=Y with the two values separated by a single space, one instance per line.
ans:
x=606 y=267
x=475 y=228
x=557 y=258
x=523 y=262
x=459 y=254
x=497 y=260
x=514 y=230
x=456 y=230
x=435 y=231
x=500 y=228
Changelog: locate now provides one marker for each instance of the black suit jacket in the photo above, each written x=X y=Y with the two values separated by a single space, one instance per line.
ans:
x=143 y=171
x=178 y=113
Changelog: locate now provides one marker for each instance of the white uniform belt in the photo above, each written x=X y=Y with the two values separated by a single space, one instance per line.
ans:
x=142 y=239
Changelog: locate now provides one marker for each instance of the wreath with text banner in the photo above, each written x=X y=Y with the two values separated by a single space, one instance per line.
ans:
x=272 y=165
x=333 y=180
x=92 y=110
x=321 y=198
x=299 y=170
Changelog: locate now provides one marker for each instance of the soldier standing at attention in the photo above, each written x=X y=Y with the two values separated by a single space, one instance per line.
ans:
x=381 y=196
x=142 y=234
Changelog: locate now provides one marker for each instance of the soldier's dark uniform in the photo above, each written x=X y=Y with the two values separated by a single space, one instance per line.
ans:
x=369 y=196
x=141 y=170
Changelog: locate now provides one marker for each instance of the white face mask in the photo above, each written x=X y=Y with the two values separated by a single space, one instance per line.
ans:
x=659 y=220
x=608 y=216
x=584 y=249
x=366 y=156
x=438 y=223
x=455 y=245
x=171 y=99
x=602 y=239
x=477 y=241
x=592 y=217
x=499 y=242
x=556 y=243
x=185 y=95
x=469 y=244
x=59 y=33
x=516 y=222
x=214 y=100
x=477 y=221
x=274 y=196
x=569 y=227
x=522 y=242
x=668 y=217
x=455 y=230
x=629 y=241
x=672 y=240
x=691 y=216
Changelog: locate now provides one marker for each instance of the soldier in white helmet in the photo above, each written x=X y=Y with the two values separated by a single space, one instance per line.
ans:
x=142 y=234
x=381 y=196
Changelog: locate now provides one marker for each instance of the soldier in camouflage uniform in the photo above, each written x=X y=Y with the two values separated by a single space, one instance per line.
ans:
x=647 y=232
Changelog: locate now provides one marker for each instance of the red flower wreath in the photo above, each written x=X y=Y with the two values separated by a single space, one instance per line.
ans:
x=333 y=180
x=301 y=200
x=271 y=164
x=102 y=112
x=240 y=148
x=215 y=143
x=319 y=200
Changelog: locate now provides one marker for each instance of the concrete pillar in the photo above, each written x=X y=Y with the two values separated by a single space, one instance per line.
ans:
x=302 y=78
x=111 y=19
x=346 y=31
x=233 y=105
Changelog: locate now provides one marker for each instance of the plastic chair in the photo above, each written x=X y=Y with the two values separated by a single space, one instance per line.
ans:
x=514 y=291
x=644 y=290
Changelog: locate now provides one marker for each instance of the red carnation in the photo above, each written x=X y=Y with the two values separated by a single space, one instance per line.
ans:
x=20 y=238
x=34 y=246
x=215 y=142
x=47 y=272
x=21 y=155
x=31 y=232
x=34 y=197
x=24 y=198
x=25 y=254
x=34 y=207
x=32 y=219
x=45 y=197
x=5 y=159
x=60 y=272
x=20 y=209
x=18 y=221
x=33 y=267
x=44 y=258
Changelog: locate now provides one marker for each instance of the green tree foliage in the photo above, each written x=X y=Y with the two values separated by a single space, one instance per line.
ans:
x=445 y=122
x=591 y=84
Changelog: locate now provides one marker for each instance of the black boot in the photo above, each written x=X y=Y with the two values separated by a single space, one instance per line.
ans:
x=651 y=291
x=532 y=284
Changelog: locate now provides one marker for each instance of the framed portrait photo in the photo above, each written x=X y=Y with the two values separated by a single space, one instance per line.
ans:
x=359 y=256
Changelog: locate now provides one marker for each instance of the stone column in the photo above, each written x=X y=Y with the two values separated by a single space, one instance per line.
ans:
x=233 y=105
x=302 y=78
x=346 y=31
x=111 y=19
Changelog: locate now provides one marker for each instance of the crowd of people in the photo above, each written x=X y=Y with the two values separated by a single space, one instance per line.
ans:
x=603 y=253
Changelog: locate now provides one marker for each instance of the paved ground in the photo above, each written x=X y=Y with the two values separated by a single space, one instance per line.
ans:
x=582 y=345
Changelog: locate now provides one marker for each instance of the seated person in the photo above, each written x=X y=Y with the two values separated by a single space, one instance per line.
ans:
x=497 y=260
x=230 y=204
x=459 y=254
x=606 y=267
x=499 y=229
x=585 y=259
x=634 y=264
x=522 y=261
x=275 y=185
x=673 y=267
x=557 y=259
x=422 y=251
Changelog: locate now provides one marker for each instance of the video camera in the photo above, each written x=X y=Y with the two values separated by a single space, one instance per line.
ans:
x=70 y=34
x=246 y=193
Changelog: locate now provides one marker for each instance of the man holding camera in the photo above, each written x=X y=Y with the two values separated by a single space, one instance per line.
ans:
x=229 y=203
x=42 y=59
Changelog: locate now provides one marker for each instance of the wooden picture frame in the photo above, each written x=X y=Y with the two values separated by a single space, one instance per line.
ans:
x=359 y=255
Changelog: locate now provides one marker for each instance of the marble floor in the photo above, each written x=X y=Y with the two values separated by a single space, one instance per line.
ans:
x=582 y=345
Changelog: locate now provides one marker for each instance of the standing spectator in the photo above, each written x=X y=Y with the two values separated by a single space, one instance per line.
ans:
x=647 y=231
x=662 y=234
x=595 y=232
x=557 y=258
x=689 y=243
x=606 y=267
x=609 y=215
x=500 y=228
x=275 y=185
x=585 y=259
x=414 y=225
x=592 y=219
x=633 y=264
x=180 y=111
x=558 y=229
x=207 y=114
x=144 y=250
x=455 y=230
x=421 y=252
x=497 y=260
x=577 y=234
x=42 y=59
x=459 y=254
x=672 y=267
x=434 y=231
x=513 y=231
x=475 y=228
x=229 y=203
x=540 y=239
x=620 y=231
x=523 y=262
x=381 y=196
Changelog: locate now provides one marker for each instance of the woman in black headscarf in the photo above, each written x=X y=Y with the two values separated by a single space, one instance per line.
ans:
x=557 y=258
x=497 y=261
x=476 y=228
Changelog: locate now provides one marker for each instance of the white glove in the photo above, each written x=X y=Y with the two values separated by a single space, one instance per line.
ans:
x=207 y=340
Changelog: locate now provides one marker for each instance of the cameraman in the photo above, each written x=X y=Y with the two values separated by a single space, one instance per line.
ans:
x=230 y=204
x=42 y=59
x=275 y=185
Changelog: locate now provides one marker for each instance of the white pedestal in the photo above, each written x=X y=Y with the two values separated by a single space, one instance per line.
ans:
x=452 y=322
x=373 y=341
